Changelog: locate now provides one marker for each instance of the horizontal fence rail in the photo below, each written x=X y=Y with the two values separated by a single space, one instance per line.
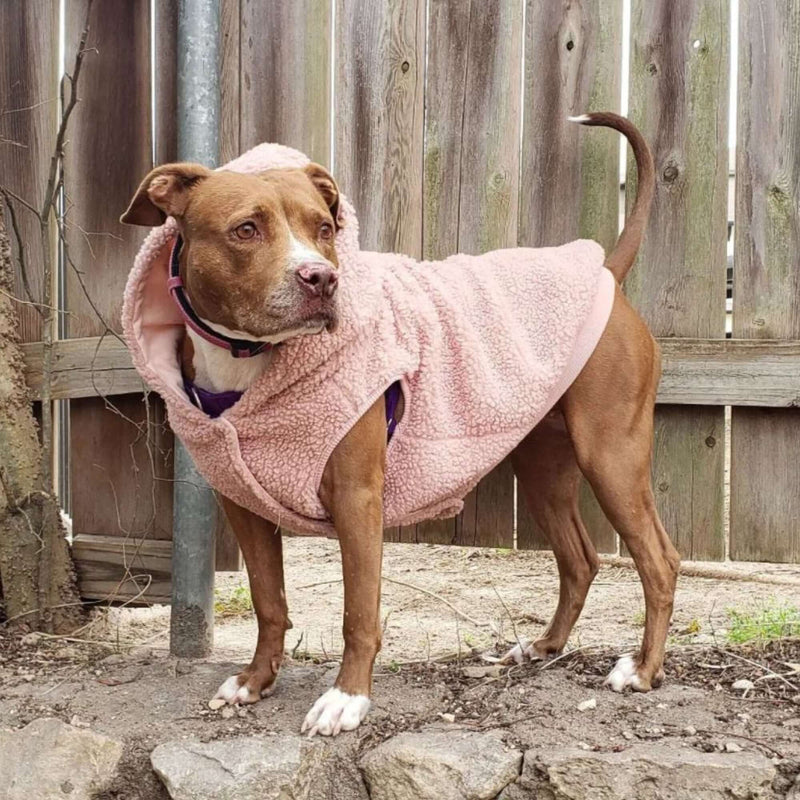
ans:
x=714 y=372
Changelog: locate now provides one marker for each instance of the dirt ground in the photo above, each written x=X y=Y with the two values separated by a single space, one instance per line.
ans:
x=443 y=607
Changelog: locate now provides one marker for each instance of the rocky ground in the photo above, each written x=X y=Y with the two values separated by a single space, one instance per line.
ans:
x=111 y=716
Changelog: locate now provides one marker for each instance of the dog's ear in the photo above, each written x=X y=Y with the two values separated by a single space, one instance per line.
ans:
x=326 y=186
x=163 y=193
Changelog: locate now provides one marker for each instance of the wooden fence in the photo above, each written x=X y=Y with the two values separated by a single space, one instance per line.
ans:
x=445 y=122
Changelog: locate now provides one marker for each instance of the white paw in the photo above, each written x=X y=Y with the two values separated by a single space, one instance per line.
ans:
x=232 y=694
x=519 y=652
x=623 y=674
x=335 y=711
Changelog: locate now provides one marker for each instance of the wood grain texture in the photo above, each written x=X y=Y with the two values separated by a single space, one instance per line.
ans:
x=765 y=472
x=229 y=81
x=679 y=100
x=470 y=186
x=720 y=372
x=109 y=151
x=737 y=372
x=486 y=185
x=117 y=570
x=120 y=449
x=285 y=75
x=28 y=111
x=165 y=20
x=379 y=77
x=570 y=176
x=83 y=368
x=122 y=473
x=378 y=133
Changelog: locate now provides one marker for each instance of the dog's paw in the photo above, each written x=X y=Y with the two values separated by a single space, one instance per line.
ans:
x=335 y=711
x=624 y=674
x=239 y=689
x=521 y=651
x=627 y=672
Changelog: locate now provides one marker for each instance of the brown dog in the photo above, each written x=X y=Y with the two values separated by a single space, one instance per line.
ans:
x=601 y=427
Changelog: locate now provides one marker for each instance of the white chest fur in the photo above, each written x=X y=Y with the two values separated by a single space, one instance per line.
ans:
x=216 y=370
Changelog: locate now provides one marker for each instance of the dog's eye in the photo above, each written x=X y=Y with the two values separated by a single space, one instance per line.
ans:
x=247 y=230
x=326 y=230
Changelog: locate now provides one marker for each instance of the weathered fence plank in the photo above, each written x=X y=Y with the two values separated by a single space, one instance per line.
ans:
x=679 y=99
x=28 y=110
x=719 y=372
x=380 y=72
x=285 y=75
x=120 y=457
x=470 y=186
x=115 y=569
x=765 y=471
x=165 y=87
x=229 y=81
x=378 y=128
x=570 y=177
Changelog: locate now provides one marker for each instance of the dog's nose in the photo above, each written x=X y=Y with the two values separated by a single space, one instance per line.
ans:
x=319 y=280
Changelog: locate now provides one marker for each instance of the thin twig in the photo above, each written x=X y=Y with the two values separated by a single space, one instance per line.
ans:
x=768 y=670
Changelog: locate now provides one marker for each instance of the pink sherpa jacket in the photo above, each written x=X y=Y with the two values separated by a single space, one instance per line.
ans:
x=483 y=347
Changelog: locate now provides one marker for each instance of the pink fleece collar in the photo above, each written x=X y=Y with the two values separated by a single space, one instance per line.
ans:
x=239 y=348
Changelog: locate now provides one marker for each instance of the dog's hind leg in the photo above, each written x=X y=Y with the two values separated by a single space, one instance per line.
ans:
x=609 y=414
x=549 y=479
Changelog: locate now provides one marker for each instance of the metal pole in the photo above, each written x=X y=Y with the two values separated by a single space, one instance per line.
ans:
x=195 y=507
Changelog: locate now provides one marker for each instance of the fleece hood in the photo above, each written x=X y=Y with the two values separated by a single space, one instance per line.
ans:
x=483 y=347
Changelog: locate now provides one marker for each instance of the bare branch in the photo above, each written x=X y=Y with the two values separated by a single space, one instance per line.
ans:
x=51 y=195
x=21 y=258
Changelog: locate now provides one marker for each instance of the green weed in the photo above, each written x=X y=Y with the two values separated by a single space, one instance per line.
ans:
x=764 y=623
x=233 y=603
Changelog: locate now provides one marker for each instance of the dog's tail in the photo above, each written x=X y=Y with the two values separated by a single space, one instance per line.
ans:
x=622 y=256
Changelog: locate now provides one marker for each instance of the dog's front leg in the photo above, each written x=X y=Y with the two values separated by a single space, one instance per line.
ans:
x=262 y=547
x=352 y=491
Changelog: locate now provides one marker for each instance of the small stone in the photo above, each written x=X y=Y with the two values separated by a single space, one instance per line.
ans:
x=227 y=712
x=584 y=746
x=448 y=717
x=662 y=705
x=587 y=705
x=743 y=685
x=690 y=730
x=31 y=639
x=491 y=671
x=732 y=747
x=627 y=735
x=77 y=722
x=216 y=703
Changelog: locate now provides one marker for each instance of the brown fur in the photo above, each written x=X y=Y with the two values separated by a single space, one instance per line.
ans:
x=602 y=427
x=245 y=284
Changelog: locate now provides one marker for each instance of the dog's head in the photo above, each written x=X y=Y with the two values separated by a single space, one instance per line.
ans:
x=258 y=254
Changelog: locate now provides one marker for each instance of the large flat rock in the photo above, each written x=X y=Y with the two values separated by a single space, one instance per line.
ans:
x=50 y=760
x=279 y=767
x=643 y=772
x=433 y=765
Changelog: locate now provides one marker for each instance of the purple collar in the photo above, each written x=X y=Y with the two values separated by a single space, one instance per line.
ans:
x=239 y=348
x=213 y=403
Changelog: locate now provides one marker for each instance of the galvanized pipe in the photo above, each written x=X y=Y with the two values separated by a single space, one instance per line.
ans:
x=195 y=507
